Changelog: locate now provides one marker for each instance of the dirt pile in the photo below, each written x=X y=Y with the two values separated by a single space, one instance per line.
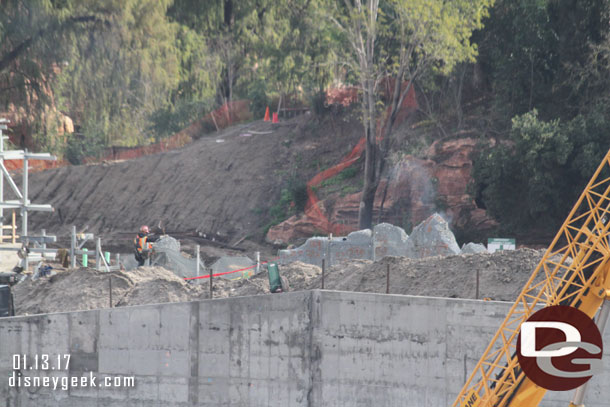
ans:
x=86 y=289
x=69 y=291
x=502 y=276
x=301 y=276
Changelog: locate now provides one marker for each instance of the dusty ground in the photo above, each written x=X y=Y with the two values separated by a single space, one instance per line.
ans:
x=502 y=276
x=221 y=185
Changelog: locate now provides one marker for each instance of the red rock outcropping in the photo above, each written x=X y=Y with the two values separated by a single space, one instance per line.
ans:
x=417 y=188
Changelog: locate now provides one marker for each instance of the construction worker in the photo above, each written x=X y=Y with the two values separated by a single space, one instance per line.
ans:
x=143 y=244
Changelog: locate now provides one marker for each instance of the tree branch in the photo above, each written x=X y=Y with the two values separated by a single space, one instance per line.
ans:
x=17 y=51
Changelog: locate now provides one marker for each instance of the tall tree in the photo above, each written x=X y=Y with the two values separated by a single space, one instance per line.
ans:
x=223 y=24
x=110 y=65
x=118 y=78
x=32 y=35
x=398 y=39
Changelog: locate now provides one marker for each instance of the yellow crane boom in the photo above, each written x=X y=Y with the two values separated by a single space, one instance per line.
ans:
x=574 y=271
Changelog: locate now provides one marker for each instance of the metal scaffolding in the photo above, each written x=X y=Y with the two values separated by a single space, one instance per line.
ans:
x=22 y=202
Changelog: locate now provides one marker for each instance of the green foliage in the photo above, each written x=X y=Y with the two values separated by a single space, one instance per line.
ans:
x=528 y=51
x=257 y=93
x=532 y=181
x=346 y=174
x=118 y=76
x=85 y=145
x=317 y=101
x=293 y=199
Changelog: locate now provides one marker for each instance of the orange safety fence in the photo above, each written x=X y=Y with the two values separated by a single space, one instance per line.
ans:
x=128 y=153
x=34 y=165
x=342 y=96
x=229 y=272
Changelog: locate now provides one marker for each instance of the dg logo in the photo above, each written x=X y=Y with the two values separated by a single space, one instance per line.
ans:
x=560 y=348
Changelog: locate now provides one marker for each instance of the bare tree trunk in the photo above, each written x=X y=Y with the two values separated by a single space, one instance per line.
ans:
x=458 y=95
x=365 y=211
x=371 y=157
x=364 y=45
x=279 y=103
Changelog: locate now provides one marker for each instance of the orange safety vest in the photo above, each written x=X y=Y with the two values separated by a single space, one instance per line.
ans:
x=141 y=242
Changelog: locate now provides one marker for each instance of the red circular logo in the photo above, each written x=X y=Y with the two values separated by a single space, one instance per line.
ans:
x=559 y=348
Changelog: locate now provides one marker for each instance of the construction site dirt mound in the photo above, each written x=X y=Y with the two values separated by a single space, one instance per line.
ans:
x=85 y=289
x=300 y=276
x=502 y=275
x=156 y=285
x=80 y=289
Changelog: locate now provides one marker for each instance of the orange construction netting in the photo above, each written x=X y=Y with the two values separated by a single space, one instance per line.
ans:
x=342 y=96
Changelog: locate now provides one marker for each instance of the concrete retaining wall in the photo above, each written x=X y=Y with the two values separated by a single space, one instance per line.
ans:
x=316 y=348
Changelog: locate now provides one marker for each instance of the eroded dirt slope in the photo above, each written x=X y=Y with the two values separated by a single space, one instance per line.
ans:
x=223 y=183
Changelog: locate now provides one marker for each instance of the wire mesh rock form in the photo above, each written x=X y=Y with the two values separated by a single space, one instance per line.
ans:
x=432 y=237
x=168 y=255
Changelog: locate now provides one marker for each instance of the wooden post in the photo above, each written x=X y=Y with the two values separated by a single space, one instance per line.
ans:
x=477 y=286
x=211 y=284
x=197 y=259
x=110 y=289
x=323 y=267
x=14 y=228
x=387 y=279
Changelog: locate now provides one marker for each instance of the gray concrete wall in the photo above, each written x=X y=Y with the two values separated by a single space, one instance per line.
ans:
x=318 y=348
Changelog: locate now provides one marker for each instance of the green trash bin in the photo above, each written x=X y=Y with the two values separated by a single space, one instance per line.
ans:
x=275 y=281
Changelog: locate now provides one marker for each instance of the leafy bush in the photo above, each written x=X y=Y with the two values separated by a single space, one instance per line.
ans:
x=90 y=143
x=533 y=180
x=318 y=105
x=293 y=199
x=257 y=93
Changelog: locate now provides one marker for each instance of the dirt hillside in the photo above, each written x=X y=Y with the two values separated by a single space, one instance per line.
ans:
x=221 y=185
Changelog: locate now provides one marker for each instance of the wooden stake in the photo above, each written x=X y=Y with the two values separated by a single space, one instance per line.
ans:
x=323 y=266
x=211 y=284
x=387 y=279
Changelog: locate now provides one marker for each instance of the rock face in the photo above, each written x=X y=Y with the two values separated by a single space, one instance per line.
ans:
x=472 y=248
x=432 y=237
x=356 y=245
x=452 y=168
x=417 y=188
x=384 y=240
x=389 y=240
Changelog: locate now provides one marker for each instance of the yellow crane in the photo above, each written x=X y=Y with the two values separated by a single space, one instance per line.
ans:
x=574 y=271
